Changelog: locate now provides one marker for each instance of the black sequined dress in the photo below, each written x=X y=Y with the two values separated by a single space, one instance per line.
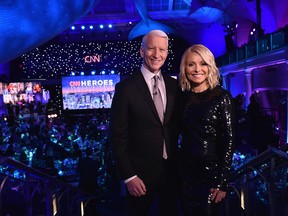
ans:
x=206 y=150
x=207 y=137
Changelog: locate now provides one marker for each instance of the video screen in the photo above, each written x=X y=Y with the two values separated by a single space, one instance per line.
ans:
x=88 y=92
x=24 y=92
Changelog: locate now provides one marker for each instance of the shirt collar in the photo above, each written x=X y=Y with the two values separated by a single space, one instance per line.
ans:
x=148 y=75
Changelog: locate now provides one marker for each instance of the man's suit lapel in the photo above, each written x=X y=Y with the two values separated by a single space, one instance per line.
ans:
x=169 y=99
x=145 y=93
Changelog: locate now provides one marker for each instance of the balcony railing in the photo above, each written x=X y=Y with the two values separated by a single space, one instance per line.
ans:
x=60 y=197
x=267 y=43
x=263 y=179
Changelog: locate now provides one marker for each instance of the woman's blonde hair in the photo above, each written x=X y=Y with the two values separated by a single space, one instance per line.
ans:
x=208 y=57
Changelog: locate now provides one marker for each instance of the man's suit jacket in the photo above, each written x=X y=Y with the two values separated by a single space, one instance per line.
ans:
x=137 y=133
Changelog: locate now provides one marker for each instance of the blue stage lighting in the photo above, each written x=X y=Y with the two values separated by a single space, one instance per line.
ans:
x=82 y=73
x=110 y=25
x=72 y=27
x=72 y=73
x=93 y=72
x=50 y=18
x=83 y=27
x=103 y=72
x=91 y=27
x=112 y=72
x=101 y=26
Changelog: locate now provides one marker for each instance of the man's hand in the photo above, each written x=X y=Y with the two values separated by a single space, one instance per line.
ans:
x=136 y=187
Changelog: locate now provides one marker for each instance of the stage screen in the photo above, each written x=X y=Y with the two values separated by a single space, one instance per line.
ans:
x=88 y=92
x=24 y=92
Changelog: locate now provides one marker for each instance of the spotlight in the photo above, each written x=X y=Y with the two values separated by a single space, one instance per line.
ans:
x=54 y=201
x=83 y=27
x=73 y=28
x=103 y=72
x=91 y=27
x=93 y=72
x=72 y=73
x=51 y=116
x=231 y=29
x=112 y=72
x=101 y=26
x=235 y=24
x=82 y=73
x=110 y=25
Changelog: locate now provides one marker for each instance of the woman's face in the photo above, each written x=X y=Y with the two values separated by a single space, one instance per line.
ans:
x=197 y=71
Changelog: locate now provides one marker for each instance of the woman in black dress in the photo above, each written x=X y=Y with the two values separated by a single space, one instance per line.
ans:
x=207 y=134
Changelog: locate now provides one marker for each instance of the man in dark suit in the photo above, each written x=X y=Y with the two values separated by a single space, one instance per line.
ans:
x=145 y=146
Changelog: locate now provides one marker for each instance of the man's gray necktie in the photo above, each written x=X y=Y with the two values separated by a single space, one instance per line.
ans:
x=157 y=99
x=159 y=106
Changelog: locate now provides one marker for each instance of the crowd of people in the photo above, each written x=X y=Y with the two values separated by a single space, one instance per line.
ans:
x=43 y=143
x=255 y=130
x=179 y=152
x=68 y=148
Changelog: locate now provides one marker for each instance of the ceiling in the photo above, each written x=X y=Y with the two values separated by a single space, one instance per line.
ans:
x=197 y=21
x=27 y=24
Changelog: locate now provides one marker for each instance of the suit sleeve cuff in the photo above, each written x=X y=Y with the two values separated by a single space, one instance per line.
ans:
x=129 y=179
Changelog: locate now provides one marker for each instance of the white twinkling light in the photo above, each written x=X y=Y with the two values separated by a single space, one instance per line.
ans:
x=54 y=60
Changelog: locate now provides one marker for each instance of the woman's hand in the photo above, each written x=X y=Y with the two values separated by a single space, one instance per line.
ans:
x=217 y=195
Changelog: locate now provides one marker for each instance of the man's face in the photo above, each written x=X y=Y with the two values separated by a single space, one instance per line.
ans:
x=154 y=53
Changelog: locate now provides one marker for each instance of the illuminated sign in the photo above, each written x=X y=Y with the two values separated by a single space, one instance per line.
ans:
x=88 y=92
x=91 y=83
x=91 y=59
